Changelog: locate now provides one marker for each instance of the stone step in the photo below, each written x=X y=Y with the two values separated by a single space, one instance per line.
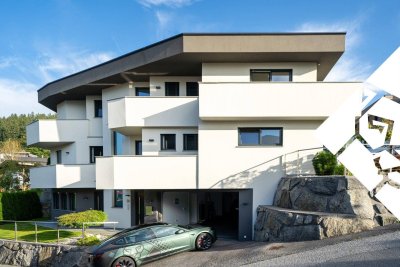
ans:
x=287 y=225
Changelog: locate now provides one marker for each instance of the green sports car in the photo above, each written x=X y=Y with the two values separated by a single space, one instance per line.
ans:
x=144 y=243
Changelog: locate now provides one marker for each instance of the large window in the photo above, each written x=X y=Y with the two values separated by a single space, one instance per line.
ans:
x=118 y=198
x=190 y=142
x=265 y=75
x=59 y=156
x=260 y=136
x=163 y=231
x=63 y=197
x=168 y=142
x=118 y=141
x=95 y=151
x=192 y=89
x=139 y=236
x=142 y=91
x=56 y=201
x=172 y=89
x=98 y=109
x=72 y=201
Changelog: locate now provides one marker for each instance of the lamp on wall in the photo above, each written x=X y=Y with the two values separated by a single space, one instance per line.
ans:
x=67 y=152
x=151 y=140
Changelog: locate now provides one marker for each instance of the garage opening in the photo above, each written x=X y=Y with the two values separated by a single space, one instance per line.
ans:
x=221 y=211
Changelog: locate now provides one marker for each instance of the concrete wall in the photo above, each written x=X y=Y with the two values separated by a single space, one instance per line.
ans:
x=71 y=110
x=121 y=215
x=240 y=72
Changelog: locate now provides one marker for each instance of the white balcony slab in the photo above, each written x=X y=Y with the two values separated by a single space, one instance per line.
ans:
x=130 y=112
x=273 y=100
x=63 y=176
x=49 y=133
x=146 y=172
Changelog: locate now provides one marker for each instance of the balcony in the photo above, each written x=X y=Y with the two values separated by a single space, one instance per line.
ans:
x=257 y=101
x=50 y=133
x=126 y=114
x=146 y=172
x=63 y=176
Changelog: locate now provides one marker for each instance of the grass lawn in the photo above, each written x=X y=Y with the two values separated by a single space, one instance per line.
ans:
x=26 y=232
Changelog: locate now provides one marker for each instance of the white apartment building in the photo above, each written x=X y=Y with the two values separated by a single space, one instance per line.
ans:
x=197 y=127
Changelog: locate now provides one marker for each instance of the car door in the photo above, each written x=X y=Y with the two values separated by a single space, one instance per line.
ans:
x=171 y=239
x=140 y=246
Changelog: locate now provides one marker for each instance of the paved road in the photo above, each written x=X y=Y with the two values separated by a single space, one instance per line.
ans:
x=382 y=250
x=379 y=247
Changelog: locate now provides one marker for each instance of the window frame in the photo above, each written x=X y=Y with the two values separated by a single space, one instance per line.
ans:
x=271 y=71
x=162 y=142
x=260 y=129
x=56 y=200
x=117 y=150
x=92 y=156
x=176 y=83
x=115 y=199
x=185 y=142
x=72 y=204
x=63 y=197
x=98 y=105
x=188 y=88
x=59 y=156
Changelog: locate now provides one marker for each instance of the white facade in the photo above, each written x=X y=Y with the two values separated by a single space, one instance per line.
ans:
x=181 y=182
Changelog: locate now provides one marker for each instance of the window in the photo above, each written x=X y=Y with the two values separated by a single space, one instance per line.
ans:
x=164 y=231
x=138 y=147
x=190 y=142
x=59 y=156
x=142 y=91
x=63 y=201
x=118 y=140
x=270 y=75
x=56 y=201
x=98 y=109
x=260 y=136
x=72 y=201
x=168 y=142
x=139 y=236
x=95 y=151
x=171 y=89
x=118 y=198
x=192 y=89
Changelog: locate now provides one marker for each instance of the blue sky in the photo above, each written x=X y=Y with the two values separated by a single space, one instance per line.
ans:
x=42 y=40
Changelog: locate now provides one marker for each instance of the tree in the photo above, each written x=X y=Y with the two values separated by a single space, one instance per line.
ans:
x=13 y=176
x=10 y=148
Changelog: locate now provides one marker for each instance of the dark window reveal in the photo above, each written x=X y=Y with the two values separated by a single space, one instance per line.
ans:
x=118 y=198
x=56 y=201
x=59 y=156
x=142 y=91
x=168 y=142
x=172 y=89
x=260 y=136
x=190 y=142
x=265 y=75
x=95 y=151
x=63 y=201
x=72 y=201
x=98 y=109
x=192 y=89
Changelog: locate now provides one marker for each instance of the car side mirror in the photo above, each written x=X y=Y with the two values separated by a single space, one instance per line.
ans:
x=179 y=232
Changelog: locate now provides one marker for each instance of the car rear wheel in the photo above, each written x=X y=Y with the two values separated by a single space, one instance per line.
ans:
x=203 y=241
x=124 y=262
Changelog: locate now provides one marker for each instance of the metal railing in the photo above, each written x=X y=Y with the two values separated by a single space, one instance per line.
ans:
x=53 y=226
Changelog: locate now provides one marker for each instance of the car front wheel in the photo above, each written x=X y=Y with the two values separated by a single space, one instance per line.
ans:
x=124 y=262
x=203 y=241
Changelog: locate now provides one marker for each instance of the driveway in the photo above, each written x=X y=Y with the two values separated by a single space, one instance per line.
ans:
x=378 y=247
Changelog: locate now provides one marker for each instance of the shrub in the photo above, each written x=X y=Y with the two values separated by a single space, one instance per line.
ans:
x=325 y=163
x=88 y=241
x=23 y=205
x=77 y=219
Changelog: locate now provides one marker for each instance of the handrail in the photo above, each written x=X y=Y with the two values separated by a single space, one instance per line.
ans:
x=265 y=162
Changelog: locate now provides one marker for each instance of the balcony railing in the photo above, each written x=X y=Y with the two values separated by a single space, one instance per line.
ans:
x=146 y=172
x=64 y=176
x=130 y=112
x=286 y=100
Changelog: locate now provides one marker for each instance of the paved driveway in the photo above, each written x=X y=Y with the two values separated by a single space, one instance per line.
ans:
x=378 y=247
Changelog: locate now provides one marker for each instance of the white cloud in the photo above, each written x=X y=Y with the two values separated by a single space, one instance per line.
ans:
x=349 y=67
x=168 y=3
x=20 y=98
x=6 y=62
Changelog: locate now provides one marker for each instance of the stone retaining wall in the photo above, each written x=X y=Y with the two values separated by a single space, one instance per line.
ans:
x=32 y=254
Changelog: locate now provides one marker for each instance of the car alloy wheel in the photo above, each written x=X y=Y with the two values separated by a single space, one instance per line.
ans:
x=124 y=262
x=203 y=241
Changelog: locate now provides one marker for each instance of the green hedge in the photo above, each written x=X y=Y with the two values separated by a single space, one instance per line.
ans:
x=20 y=206
x=76 y=219
x=325 y=163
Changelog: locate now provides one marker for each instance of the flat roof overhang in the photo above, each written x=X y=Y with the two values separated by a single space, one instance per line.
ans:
x=183 y=55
